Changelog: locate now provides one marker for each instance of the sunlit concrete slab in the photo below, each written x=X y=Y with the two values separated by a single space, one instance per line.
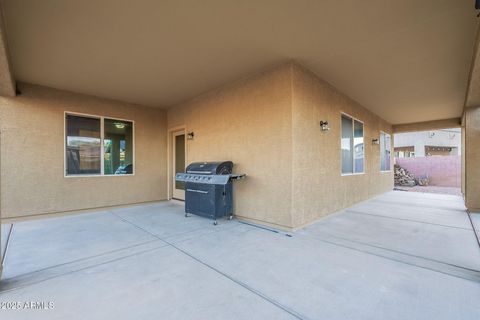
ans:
x=150 y=262
x=429 y=241
x=443 y=217
x=428 y=200
x=402 y=226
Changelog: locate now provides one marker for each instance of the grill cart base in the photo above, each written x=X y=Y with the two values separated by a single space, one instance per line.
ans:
x=209 y=189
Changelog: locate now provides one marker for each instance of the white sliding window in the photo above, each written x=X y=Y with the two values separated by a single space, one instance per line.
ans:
x=98 y=146
x=352 y=145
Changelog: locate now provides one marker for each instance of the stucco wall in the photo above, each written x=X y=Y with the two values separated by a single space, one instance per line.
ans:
x=32 y=154
x=472 y=158
x=268 y=125
x=318 y=186
x=250 y=123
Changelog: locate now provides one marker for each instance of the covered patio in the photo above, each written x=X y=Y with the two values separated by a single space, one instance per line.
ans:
x=397 y=256
x=104 y=107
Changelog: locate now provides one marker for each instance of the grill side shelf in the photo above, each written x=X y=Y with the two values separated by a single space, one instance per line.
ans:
x=237 y=176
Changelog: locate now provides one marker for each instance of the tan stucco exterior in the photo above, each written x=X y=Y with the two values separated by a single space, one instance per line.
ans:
x=472 y=158
x=268 y=125
x=250 y=123
x=318 y=186
x=32 y=154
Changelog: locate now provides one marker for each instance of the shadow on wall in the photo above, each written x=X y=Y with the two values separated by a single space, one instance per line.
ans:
x=443 y=171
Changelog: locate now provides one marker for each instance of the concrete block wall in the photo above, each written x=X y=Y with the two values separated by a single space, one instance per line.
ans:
x=443 y=171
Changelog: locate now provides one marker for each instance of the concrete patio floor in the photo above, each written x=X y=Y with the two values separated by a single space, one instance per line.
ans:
x=401 y=256
x=432 y=189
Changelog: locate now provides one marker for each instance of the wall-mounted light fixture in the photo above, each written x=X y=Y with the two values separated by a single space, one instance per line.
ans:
x=324 y=125
x=190 y=135
x=375 y=141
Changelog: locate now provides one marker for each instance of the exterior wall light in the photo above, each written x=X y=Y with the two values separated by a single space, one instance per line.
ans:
x=324 y=125
x=375 y=141
x=190 y=135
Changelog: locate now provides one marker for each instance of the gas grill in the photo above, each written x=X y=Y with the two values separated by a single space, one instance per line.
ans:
x=208 y=189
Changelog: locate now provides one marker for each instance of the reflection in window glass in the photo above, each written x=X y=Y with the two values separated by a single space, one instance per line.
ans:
x=118 y=147
x=358 y=146
x=385 y=150
x=180 y=159
x=346 y=145
x=352 y=146
x=83 y=145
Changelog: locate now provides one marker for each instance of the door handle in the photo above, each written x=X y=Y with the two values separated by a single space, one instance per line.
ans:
x=197 y=191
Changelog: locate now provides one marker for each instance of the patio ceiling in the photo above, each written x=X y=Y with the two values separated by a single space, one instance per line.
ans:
x=408 y=61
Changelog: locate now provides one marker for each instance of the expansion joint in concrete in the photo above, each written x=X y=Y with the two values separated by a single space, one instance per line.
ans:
x=204 y=263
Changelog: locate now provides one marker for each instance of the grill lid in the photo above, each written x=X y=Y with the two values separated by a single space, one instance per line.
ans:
x=219 y=167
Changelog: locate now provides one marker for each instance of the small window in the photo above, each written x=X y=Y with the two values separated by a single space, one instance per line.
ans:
x=87 y=137
x=352 y=146
x=385 y=149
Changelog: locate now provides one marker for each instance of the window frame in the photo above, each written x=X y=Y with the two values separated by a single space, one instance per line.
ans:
x=380 y=145
x=353 y=145
x=102 y=147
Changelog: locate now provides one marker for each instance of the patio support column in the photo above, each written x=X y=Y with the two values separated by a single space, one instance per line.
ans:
x=462 y=177
x=472 y=158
